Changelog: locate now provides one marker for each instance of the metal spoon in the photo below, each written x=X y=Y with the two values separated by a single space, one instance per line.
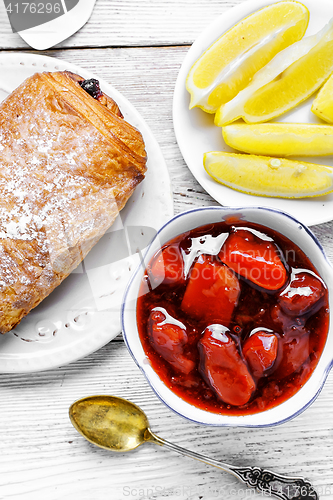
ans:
x=117 y=424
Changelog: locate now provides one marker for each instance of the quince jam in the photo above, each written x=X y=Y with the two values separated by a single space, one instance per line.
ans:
x=233 y=317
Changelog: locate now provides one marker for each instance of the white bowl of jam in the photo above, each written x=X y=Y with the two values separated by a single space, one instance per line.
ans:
x=228 y=316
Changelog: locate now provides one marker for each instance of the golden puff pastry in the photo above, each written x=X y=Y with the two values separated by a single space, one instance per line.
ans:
x=69 y=163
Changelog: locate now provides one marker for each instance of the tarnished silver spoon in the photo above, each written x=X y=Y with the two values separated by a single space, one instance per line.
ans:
x=117 y=424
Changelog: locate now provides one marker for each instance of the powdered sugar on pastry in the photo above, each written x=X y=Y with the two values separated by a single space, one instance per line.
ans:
x=65 y=173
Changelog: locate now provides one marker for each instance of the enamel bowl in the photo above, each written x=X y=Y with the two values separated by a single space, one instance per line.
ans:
x=279 y=222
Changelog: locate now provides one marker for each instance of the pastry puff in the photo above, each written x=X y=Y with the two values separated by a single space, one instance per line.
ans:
x=68 y=164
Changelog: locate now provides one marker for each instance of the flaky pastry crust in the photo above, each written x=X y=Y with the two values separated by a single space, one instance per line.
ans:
x=69 y=163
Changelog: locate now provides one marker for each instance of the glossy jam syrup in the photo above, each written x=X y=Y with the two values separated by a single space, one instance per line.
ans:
x=235 y=317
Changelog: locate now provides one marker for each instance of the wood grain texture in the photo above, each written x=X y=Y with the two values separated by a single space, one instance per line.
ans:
x=128 y=23
x=146 y=77
x=41 y=455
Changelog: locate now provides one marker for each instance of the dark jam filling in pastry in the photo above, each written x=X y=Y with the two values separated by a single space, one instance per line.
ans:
x=233 y=317
x=92 y=87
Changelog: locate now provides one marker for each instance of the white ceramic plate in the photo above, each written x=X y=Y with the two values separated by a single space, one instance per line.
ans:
x=83 y=313
x=197 y=134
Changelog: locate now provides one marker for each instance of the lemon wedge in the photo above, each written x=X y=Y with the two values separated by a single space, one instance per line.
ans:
x=280 y=139
x=288 y=79
x=229 y=64
x=265 y=176
x=323 y=104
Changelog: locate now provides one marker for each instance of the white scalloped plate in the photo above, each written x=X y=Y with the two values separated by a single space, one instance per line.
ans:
x=83 y=313
x=197 y=134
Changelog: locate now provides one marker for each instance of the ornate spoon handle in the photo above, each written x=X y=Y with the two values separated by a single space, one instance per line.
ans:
x=284 y=487
x=265 y=481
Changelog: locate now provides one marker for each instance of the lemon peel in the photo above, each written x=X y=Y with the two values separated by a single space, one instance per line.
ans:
x=280 y=139
x=287 y=80
x=229 y=64
x=323 y=104
x=265 y=176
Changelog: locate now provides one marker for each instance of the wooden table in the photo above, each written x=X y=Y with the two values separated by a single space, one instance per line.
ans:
x=138 y=47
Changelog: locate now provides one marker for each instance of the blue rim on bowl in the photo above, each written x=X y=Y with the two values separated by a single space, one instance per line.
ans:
x=278 y=221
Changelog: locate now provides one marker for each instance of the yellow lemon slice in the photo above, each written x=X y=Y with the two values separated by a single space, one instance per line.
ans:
x=323 y=104
x=265 y=176
x=288 y=79
x=280 y=139
x=229 y=64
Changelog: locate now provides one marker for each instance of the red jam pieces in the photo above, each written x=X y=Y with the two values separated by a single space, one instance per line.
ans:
x=168 y=336
x=223 y=367
x=302 y=295
x=211 y=293
x=260 y=351
x=167 y=266
x=255 y=259
x=234 y=317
